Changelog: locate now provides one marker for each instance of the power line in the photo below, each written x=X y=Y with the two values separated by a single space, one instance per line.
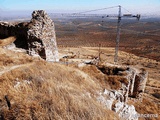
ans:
x=126 y=10
x=118 y=25
x=94 y=10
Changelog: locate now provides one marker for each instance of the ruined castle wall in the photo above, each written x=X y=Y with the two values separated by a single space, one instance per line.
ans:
x=134 y=83
x=13 y=29
x=42 y=30
x=137 y=81
x=37 y=36
x=140 y=82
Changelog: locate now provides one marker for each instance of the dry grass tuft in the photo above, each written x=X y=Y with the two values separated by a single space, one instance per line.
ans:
x=146 y=106
x=107 y=77
x=10 y=58
x=115 y=82
x=97 y=76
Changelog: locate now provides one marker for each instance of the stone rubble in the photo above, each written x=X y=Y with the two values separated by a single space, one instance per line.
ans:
x=116 y=100
x=113 y=100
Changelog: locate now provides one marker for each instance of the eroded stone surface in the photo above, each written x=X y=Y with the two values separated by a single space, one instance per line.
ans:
x=41 y=36
x=113 y=100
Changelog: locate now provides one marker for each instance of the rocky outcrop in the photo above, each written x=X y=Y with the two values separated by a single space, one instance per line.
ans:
x=37 y=36
x=113 y=100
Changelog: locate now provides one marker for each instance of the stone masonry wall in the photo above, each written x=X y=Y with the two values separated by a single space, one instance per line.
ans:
x=136 y=79
x=15 y=29
x=41 y=36
x=37 y=36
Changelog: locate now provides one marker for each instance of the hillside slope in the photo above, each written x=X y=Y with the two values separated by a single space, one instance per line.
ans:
x=32 y=88
x=38 y=90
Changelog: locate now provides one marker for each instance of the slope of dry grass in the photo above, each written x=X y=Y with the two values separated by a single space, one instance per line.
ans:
x=150 y=103
x=7 y=41
x=9 y=58
x=41 y=91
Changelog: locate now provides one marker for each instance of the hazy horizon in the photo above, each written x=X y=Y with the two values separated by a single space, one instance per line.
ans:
x=23 y=7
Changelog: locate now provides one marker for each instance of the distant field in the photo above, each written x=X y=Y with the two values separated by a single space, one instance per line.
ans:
x=141 y=38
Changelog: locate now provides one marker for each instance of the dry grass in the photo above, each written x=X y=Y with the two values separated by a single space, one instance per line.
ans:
x=107 y=77
x=97 y=76
x=9 y=58
x=53 y=91
x=152 y=66
x=7 y=41
x=146 y=106
x=43 y=91
x=115 y=82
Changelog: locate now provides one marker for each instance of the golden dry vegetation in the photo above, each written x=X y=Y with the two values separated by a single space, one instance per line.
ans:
x=137 y=37
x=41 y=91
x=150 y=102
x=7 y=41
x=31 y=88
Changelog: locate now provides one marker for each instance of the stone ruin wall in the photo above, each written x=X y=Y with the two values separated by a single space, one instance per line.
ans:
x=37 y=36
x=135 y=79
x=136 y=83
x=133 y=84
x=15 y=29
x=140 y=82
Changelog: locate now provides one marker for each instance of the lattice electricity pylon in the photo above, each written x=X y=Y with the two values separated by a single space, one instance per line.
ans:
x=119 y=29
x=82 y=14
x=118 y=35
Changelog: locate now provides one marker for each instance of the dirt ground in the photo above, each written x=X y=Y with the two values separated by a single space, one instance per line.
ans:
x=124 y=58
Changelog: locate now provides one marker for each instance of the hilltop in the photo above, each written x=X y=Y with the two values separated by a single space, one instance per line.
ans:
x=38 y=89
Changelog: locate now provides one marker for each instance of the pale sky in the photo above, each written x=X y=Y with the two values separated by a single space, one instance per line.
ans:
x=138 y=6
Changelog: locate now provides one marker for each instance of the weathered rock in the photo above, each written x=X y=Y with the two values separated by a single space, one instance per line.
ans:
x=41 y=36
x=137 y=81
x=38 y=35
x=126 y=112
x=113 y=100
